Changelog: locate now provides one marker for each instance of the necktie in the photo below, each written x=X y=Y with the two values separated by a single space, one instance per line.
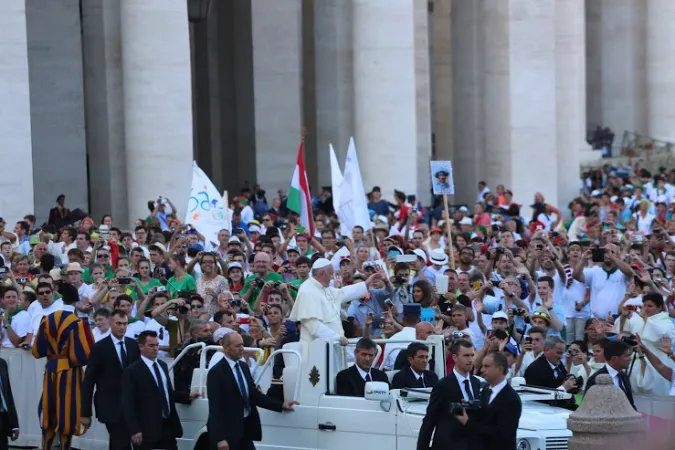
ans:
x=162 y=390
x=123 y=355
x=467 y=389
x=368 y=379
x=486 y=394
x=243 y=390
x=3 y=405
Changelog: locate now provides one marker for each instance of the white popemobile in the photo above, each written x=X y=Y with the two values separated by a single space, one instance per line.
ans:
x=383 y=420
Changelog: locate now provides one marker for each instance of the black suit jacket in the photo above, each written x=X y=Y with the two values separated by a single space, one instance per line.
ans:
x=226 y=405
x=624 y=379
x=9 y=399
x=540 y=373
x=142 y=402
x=449 y=431
x=496 y=424
x=349 y=382
x=104 y=371
x=405 y=378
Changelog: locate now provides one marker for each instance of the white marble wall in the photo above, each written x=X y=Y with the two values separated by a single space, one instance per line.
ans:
x=570 y=95
x=157 y=102
x=623 y=59
x=388 y=83
x=661 y=68
x=57 y=104
x=334 y=89
x=520 y=88
x=277 y=87
x=16 y=170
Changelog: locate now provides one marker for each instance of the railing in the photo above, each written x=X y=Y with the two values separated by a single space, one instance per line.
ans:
x=270 y=363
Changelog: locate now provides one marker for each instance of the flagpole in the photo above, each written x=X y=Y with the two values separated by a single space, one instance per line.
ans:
x=449 y=229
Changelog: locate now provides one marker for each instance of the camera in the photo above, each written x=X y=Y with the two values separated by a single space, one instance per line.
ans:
x=276 y=284
x=631 y=341
x=573 y=352
x=235 y=303
x=398 y=279
x=458 y=335
x=259 y=282
x=471 y=405
x=378 y=321
x=528 y=340
x=161 y=289
x=124 y=280
x=184 y=310
x=578 y=380
x=499 y=251
x=22 y=280
x=519 y=312
x=3 y=270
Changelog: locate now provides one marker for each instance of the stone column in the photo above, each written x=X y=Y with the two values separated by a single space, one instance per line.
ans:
x=570 y=95
x=520 y=88
x=605 y=419
x=441 y=66
x=660 y=69
x=593 y=64
x=277 y=88
x=16 y=171
x=57 y=104
x=104 y=109
x=467 y=98
x=157 y=102
x=334 y=87
x=392 y=128
x=623 y=62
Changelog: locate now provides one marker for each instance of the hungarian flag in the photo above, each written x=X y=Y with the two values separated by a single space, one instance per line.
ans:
x=299 y=200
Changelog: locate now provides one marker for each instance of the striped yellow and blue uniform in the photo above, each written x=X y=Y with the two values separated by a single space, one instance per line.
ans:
x=66 y=342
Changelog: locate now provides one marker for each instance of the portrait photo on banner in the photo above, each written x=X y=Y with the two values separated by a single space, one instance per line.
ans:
x=441 y=178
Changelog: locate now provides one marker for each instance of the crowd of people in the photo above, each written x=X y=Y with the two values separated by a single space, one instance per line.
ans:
x=562 y=294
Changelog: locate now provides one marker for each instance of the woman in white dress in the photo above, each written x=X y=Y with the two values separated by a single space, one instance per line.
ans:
x=212 y=283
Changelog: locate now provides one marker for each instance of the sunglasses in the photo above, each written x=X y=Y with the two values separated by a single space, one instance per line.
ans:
x=103 y=256
x=44 y=292
x=196 y=305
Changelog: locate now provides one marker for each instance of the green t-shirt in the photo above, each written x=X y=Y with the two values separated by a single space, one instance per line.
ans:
x=174 y=286
x=109 y=274
x=272 y=276
x=154 y=282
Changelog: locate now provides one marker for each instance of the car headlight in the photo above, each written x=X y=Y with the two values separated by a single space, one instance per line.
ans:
x=523 y=444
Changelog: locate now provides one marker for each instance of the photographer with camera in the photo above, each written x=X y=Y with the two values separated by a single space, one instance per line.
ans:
x=401 y=294
x=262 y=273
x=273 y=292
x=618 y=357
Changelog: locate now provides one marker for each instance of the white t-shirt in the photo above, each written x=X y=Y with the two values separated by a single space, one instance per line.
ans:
x=88 y=291
x=21 y=324
x=40 y=312
x=607 y=290
x=576 y=293
x=134 y=329
x=98 y=335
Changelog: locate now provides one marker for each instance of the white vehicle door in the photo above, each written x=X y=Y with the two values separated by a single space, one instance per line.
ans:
x=295 y=430
x=352 y=423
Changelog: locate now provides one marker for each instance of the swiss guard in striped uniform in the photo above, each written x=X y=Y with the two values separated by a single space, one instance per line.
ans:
x=66 y=341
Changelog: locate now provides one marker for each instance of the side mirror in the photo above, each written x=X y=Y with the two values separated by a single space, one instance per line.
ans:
x=376 y=391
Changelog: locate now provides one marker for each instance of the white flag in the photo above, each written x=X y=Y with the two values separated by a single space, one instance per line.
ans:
x=353 y=206
x=335 y=177
x=206 y=208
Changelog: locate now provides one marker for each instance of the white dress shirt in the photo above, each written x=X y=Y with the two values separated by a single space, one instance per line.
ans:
x=150 y=363
x=363 y=373
x=614 y=374
x=235 y=371
x=460 y=380
x=496 y=390
x=98 y=334
x=118 y=348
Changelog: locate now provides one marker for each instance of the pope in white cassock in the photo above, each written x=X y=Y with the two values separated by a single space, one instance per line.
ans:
x=318 y=306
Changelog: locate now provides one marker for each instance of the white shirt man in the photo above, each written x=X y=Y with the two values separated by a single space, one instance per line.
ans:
x=21 y=324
